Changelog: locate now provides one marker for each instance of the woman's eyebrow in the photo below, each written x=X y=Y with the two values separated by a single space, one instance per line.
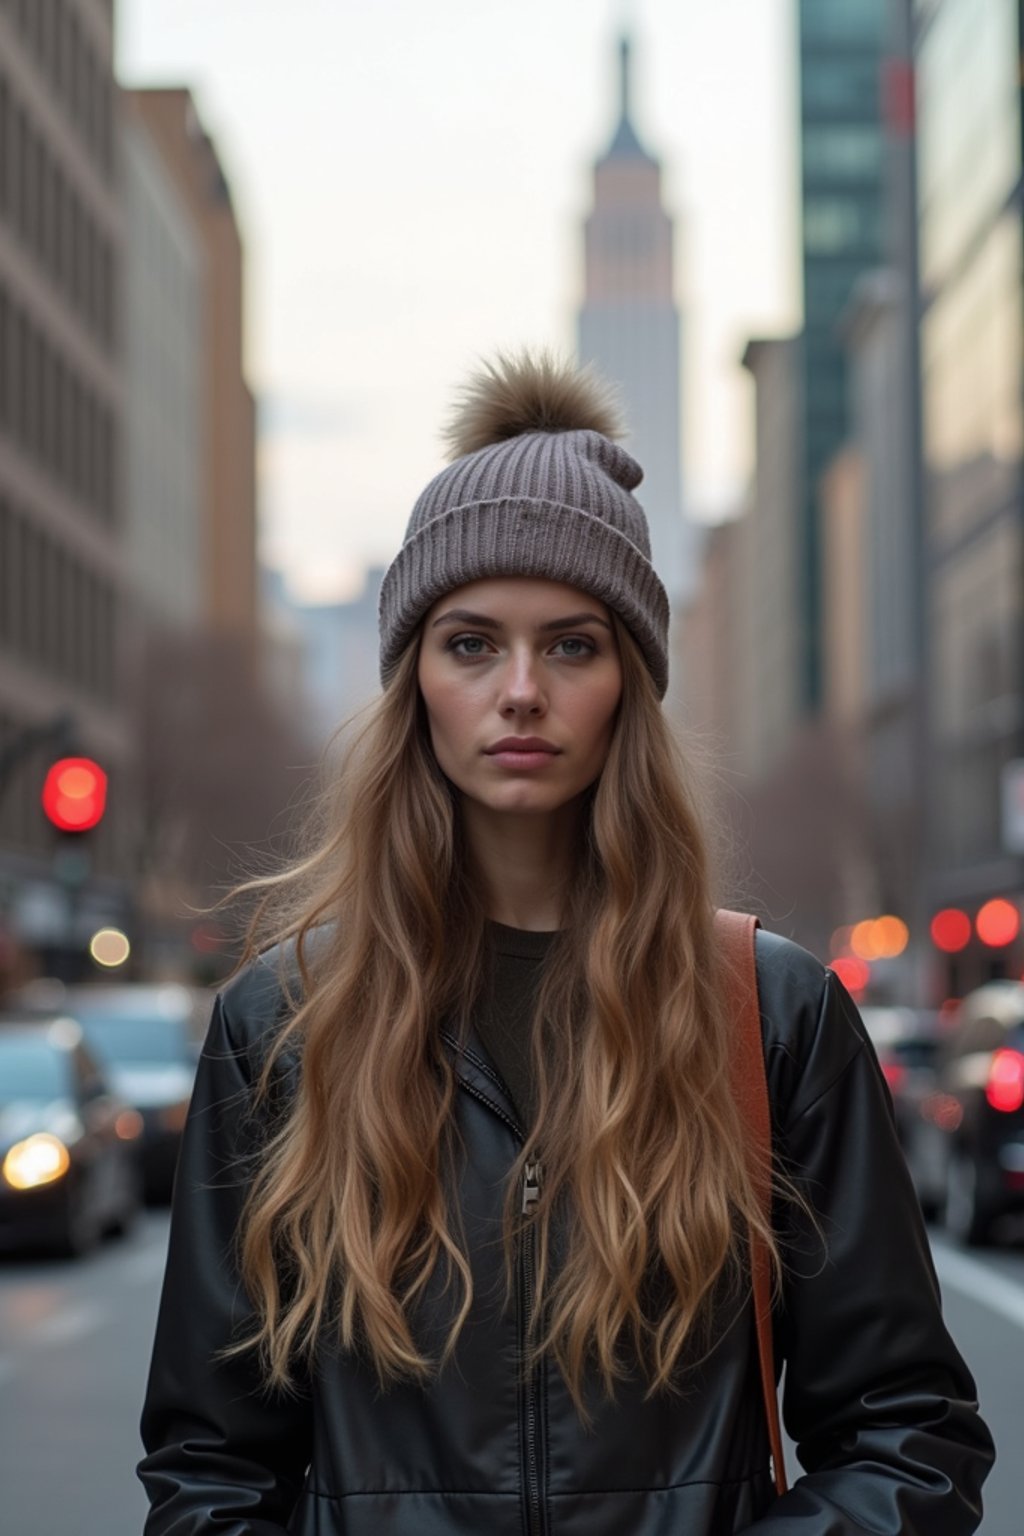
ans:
x=464 y=616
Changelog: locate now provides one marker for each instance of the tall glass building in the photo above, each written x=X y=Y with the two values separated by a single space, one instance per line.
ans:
x=841 y=138
x=971 y=211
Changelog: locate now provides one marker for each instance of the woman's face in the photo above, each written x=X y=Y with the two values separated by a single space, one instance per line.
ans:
x=520 y=656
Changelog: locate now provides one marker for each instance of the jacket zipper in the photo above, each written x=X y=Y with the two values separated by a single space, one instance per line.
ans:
x=528 y=1271
x=533 y=1440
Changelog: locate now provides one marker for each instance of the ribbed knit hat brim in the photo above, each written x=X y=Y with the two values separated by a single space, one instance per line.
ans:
x=523 y=536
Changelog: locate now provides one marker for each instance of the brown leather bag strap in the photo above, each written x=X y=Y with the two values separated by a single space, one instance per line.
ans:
x=735 y=931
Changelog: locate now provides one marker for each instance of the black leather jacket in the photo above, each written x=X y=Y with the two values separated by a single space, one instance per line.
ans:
x=879 y=1401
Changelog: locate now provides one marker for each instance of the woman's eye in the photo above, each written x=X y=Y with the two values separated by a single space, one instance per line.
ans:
x=581 y=645
x=453 y=645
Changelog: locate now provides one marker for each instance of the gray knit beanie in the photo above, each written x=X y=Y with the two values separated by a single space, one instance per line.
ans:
x=537 y=488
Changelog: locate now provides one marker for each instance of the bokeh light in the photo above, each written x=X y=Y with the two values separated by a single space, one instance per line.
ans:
x=853 y=972
x=997 y=923
x=109 y=947
x=951 y=930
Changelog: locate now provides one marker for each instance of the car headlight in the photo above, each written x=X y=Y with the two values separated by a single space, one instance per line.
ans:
x=39 y=1159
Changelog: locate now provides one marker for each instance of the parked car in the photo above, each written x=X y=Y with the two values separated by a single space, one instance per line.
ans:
x=150 y=1036
x=69 y=1169
x=906 y=1042
x=966 y=1150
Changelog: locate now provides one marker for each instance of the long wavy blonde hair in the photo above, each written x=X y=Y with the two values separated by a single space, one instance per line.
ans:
x=349 y=1210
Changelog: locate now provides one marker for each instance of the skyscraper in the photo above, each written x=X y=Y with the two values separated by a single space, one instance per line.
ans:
x=160 y=295
x=63 y=581
x=230 y=600
x=841 y=151
x=971 y=206
x=629 y=328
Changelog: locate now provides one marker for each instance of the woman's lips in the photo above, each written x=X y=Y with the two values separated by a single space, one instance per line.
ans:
x=522 y=759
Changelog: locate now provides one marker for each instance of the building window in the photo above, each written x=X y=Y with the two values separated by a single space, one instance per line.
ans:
x=828 y=22
x=59 y=467
x=88 y=240
x=44 y=9
x=96 y=448
x=49 y=219
x=14 y=595
x=103 y=658
x=59 y=48
x=108 y=486
x=108 y=124
x=107 y=290
x=835 y=225
x=5 y=132
x=15 y=372
x=6 y=362
x=74 y=68
x=67 y=426
x=31 y=388
x=91 y=676
x=67 y=616
x=842 y=152
x=33 y=157
x=30 y=588
x=47 y=415
x=5 y=569
x=19 y=135
x=81 y=440
x=839 y=88
x=76 y=250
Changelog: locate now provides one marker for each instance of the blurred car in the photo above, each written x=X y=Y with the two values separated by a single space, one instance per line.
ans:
x=150 y=1036
x=966 y=1150
x=906 y=1042
x=69 y=1167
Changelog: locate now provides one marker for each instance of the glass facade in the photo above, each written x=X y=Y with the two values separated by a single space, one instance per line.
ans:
x=842 y=236
x=972 y=364
x=968 y=127
x=975 y=624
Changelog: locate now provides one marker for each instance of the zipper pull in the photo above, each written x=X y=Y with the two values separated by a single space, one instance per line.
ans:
x=531 y=1185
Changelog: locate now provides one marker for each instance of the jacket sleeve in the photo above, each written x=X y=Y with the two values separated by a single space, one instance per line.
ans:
x=221 y=1454
x=876 y=1396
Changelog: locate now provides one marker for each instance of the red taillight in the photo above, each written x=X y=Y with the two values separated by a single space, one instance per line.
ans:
x=1005 y=1087
x=894 y=1073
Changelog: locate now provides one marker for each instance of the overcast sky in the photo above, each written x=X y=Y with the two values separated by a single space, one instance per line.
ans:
x=411 y=178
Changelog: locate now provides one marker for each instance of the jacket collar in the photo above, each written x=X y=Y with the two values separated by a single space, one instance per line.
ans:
x=476 y=1072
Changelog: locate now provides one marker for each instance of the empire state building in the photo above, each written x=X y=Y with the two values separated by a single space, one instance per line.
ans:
x=629 y=328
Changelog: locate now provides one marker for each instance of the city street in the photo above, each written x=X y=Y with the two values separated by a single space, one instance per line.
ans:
x=479 y=486
x=74 y=1347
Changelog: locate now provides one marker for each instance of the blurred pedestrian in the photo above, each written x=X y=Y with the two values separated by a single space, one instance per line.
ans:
x=462 y=1229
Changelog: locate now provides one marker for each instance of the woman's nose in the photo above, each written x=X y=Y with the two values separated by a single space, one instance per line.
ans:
x=521 y=677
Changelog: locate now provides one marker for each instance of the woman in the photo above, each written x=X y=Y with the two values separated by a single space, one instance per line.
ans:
x=459 y=1228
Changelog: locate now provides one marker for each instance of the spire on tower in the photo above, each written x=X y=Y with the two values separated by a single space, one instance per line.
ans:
x=625 y=141
x=624 y=52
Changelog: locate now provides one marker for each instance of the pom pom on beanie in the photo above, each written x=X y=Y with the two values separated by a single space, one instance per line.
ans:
x=520 y=393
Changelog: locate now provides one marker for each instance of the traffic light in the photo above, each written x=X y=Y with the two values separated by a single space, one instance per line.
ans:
x=75 y=794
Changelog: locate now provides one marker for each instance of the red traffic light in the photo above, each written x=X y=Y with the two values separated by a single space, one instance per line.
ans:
x=75 y=794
